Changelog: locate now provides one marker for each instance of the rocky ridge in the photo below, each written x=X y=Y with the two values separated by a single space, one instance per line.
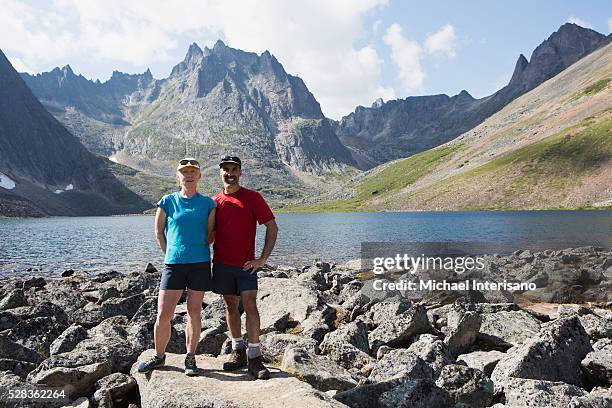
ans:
x=403 y=127
x=341 y=339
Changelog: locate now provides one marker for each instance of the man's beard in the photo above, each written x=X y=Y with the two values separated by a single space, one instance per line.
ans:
x=230 y=180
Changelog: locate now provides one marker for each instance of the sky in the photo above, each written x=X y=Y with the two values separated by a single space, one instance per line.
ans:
x=348 y=52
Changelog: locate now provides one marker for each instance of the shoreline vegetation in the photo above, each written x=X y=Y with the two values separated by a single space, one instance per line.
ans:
x=328 y=333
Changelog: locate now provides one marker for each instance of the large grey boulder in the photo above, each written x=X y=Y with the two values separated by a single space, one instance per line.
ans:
x=461 y=339
x=467 y=385
x=348 y=345
x=13 y=299
x=397 y=331
x=105 y=350
x=484 y=361
x=211 y=341
x=77 y=381
x=122 y=306
x=68 y=340
x=365 y=396
x=386 y=310
x=221 y=389
x=597 y=398
x=12 y=350
x=276 y=309
x=433 y=351
x=21 y=368
x=520 y=392
x=506 y=329
x=320 y=372
x=37 y=333
x=598 y=365
x=554 y=354
x=113 y=390
x=400 y=364
x=596 y=327
x=274 y=345
x=415 y=394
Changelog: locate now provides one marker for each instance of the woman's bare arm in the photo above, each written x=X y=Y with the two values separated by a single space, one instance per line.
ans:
x=160 y=228
x=211 y=226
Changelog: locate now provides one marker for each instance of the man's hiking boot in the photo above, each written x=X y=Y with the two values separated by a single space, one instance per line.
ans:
x=191 y=369
x=257 y=369
x=237 y=359
x=151 y=363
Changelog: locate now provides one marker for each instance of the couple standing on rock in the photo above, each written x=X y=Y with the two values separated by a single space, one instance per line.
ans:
x=186 y=223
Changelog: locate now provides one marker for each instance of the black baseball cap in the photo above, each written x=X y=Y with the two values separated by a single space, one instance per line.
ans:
x=230 y=159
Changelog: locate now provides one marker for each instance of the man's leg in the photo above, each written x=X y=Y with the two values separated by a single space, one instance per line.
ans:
x=256 y=367
x=249 y=302
x=238 y=357
x=166 y=304
x=232 y=315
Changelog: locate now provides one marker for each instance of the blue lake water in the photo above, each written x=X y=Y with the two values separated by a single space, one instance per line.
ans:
x=127 y=244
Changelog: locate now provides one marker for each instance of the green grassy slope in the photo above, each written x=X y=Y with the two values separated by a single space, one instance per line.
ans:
x=546 y=174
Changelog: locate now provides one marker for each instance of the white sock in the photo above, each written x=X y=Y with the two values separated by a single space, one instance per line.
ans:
x=237 y=343
x=253 y=350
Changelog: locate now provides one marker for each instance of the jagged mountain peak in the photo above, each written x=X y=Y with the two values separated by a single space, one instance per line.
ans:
x=193 y=51
x=519 y=67
x=378 y=103
x=67 y=70
x=219 y=44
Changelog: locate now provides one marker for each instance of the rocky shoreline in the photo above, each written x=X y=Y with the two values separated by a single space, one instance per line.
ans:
x=330 y=339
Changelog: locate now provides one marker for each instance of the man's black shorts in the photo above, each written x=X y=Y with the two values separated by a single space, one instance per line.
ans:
x=231 y=280
x=194 y=276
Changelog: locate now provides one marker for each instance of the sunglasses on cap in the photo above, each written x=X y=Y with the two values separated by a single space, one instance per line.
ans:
x=189 y=161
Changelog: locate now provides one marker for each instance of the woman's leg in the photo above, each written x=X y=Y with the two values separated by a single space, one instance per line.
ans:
x=166 y=303
x=194 y=324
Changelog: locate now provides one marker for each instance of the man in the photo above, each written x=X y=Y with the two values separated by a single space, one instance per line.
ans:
x=238 y=212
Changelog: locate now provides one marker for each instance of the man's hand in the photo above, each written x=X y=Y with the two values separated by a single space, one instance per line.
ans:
x=256 y=264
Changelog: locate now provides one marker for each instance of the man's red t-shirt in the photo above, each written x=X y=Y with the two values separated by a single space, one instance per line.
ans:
x=236 y=225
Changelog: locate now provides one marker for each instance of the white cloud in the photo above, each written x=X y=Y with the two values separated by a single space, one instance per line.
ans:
x=313 y=39
x=21 y=66
x=580 y=22
x=406 y=55
x=442 y=42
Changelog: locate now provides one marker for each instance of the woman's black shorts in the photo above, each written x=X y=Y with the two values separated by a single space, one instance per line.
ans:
x=194 y=276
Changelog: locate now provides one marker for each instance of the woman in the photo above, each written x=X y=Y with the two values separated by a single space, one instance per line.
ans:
x=183 y=225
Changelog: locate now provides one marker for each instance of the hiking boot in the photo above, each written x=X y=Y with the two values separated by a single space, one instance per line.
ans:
x=257 y=369
x=237 y=359
x=191 y=369
x=151 y=363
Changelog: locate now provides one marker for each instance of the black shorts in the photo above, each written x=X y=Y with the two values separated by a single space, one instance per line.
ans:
x=231 y=280
x=194 y=276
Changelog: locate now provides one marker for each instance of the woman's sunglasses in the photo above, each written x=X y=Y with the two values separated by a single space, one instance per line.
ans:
x=192 y=162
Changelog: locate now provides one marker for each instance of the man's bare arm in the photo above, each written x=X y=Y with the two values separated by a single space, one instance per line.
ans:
x=160 y=228
x=269 y=242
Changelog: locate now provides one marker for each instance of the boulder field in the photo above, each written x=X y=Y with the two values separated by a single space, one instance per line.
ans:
x=328 y=338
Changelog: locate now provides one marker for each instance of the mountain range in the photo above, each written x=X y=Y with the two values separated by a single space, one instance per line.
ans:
x=403 y=127
x=44 y=168
x=550 y=148
x=216 y=101
x=223 y=100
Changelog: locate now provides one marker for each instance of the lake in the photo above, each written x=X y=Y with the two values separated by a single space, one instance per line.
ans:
x=126 y=244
